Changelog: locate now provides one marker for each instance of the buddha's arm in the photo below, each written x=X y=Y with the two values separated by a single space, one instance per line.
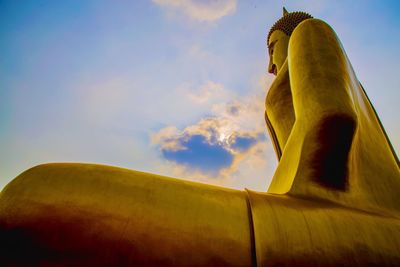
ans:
x=317 y=149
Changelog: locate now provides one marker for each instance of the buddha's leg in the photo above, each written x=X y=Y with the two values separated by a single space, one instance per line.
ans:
x=93 y=215
x=317 y=151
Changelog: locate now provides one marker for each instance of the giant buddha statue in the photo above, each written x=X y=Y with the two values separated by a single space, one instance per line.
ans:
x=333 y=199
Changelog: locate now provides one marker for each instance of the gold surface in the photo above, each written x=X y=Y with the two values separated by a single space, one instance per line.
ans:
x=99 y=215
x=302 y=232
x=335 y=129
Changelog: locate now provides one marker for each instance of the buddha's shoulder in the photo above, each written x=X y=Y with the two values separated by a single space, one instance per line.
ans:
x=311 y=28
x=312 y=23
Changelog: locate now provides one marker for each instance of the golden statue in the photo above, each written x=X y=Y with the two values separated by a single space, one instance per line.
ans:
x=333 y=199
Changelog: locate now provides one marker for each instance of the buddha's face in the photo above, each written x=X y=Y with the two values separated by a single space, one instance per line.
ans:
x=278 y=49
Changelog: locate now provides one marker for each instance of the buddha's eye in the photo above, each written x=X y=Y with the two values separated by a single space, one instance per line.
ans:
x=271 y=47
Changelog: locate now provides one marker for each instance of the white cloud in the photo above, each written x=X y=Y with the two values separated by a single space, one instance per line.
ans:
x=205 y=10
x=166 y=137
x=237 y=117
x=208 y=91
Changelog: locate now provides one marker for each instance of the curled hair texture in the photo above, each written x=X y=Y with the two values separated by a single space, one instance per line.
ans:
x=288 y=23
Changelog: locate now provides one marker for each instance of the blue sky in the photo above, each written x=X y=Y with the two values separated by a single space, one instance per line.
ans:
x=170 y=87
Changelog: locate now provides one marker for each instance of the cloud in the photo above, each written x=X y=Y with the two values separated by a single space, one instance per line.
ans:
x=209 y=90
x=166 y=137
x=206 y=10
x=221 y=148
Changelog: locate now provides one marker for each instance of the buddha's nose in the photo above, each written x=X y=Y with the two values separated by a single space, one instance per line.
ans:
x=272 y=68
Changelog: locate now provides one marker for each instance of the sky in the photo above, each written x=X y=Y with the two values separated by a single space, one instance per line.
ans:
x=170 y=87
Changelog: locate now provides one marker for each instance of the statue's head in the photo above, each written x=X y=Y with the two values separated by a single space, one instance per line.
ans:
x=278 y=38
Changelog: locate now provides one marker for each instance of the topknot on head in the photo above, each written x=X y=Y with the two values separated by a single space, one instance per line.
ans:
x=288 y=22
